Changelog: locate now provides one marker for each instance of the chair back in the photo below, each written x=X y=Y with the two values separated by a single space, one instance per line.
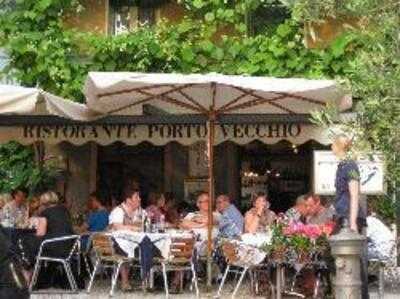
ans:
x=182 y=248
x=102 y=244
x=230 y=252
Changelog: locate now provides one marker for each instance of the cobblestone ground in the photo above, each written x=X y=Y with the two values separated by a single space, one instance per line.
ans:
x=100 y=290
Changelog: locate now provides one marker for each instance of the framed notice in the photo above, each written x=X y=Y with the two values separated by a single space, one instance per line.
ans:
x=198 y=161
x=372 y=173
x=193 y=186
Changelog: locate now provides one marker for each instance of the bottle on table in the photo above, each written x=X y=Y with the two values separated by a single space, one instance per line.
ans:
x=161 y=224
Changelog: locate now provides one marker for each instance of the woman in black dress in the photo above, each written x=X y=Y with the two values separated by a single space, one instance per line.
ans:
x=55 y=222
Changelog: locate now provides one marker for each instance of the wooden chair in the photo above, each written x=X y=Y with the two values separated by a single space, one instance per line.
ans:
x=103 y=247
x=180 y=259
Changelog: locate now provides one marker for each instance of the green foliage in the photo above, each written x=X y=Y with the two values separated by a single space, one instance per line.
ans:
x=42 y=52
x=18 y=169
x=373 y=77
x=314 y=10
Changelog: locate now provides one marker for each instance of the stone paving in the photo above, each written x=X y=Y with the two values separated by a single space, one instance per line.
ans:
x=100 y=291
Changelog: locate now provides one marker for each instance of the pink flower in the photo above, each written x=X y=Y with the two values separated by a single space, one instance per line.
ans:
x=328 y=228
x=312 y=231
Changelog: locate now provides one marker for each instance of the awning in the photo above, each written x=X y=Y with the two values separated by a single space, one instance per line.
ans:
x=17 y=100
x=161 y=108
x=161 y=134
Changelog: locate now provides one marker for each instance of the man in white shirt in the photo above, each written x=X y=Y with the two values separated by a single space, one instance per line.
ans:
x=127 y=216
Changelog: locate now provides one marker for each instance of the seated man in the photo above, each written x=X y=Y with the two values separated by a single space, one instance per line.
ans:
x=298 y=212
x=231 y=222
x=127 y=216
x=317 y=213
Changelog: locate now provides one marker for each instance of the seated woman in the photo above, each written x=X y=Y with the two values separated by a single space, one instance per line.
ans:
x=199 y=220
x=157 y=206
x=55 y=221
x=34 y=220
x=172 y=216
x=97 y=219
x=259 y=217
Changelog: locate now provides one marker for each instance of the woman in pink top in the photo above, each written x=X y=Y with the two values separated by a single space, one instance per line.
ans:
x=156 y=207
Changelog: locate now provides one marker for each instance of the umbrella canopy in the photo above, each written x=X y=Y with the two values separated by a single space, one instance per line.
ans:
x=211 y=95
x=126 y=93
x=17 y=100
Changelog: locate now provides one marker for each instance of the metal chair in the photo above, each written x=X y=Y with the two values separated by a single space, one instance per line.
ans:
x=65 y=261
x=103 y=248
x=230 y=252
x=181 y=254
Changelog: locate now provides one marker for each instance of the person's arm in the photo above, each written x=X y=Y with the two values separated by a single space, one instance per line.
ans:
x=41 y=228
x=189 y=224
x=251 y=222
x=120 y=226
x=116 y=220
x=354 y=189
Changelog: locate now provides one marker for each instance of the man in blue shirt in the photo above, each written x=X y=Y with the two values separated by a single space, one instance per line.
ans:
x=231 y=222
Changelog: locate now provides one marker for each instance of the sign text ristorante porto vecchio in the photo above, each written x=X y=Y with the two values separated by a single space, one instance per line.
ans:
x=160 y=131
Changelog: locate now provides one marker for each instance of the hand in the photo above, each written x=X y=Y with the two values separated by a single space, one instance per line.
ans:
x=201 y=220
x=259 y=211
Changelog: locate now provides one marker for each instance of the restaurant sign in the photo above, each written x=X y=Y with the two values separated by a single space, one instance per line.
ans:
x=163 y=133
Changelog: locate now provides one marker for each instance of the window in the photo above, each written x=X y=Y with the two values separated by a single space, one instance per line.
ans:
x=126 y=15
x=267 y=17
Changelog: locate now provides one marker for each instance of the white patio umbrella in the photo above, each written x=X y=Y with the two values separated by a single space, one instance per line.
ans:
x=211 y=95
x=18 y=100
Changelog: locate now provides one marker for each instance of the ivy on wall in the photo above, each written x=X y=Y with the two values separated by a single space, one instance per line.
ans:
x=44 y=53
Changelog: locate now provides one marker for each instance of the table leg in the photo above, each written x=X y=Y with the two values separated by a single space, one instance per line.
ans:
x=278 y=281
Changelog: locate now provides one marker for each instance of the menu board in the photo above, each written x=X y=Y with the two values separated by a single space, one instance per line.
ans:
x=372 y=173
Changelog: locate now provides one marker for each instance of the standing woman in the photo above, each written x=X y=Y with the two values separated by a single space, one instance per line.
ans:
x=347 y=203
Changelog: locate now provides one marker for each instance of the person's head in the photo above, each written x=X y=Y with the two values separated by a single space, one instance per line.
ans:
x=131 y=197
x=49 y=198
x=223 y=201
x=133 y=182
x=156 y=199
x=260 y=201
x=313 y=204
x=169 y=200
x=203 y=200
x=34 y=204
x=301 y=205
x=19 y=196
x=4 y=199
x=341 y=145
x=96 y=200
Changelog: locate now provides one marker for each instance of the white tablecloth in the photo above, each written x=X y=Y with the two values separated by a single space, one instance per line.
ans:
x=257 y=239
x=128 y=241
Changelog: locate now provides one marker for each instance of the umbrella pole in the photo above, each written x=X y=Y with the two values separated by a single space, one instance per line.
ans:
x=211 y=134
